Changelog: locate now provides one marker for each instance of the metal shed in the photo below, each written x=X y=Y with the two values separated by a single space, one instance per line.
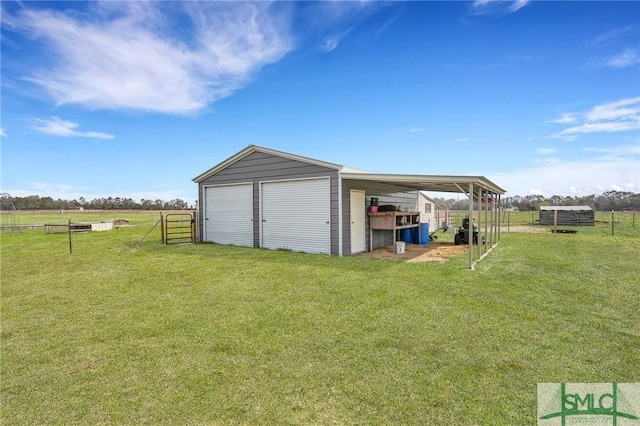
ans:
x=567 y=215
x=261 y=197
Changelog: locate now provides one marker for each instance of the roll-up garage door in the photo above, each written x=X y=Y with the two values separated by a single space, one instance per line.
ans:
x=296 y=215
x=229 y=214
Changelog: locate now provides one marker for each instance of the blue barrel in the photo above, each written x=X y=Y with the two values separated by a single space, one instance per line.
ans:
x=416 y=235
x=406 y=235
x=424 y=233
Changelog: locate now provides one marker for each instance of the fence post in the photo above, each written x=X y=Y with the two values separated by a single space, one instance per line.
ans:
x=70 y=249
x=162 y=229
x=612 y=217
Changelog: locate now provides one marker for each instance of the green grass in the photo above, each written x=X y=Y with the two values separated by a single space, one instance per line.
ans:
x=207 y=334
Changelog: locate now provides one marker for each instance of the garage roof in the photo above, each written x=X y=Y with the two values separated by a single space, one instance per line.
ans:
x=435 y=183
x=255 y=148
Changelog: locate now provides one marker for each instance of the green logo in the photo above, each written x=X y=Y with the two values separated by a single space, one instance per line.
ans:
x=616 y=404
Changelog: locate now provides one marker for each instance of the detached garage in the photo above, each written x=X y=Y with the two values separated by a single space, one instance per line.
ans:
x=261 y=197
x=265 y=198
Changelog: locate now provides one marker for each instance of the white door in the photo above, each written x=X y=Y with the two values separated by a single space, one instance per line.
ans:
x=296 y=215
x=358 y=212
x=229 y=214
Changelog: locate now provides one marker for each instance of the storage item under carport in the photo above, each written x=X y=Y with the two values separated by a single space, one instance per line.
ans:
x=402 y=223
x=462 y=237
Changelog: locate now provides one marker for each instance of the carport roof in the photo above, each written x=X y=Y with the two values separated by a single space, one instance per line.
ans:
x=434 y=183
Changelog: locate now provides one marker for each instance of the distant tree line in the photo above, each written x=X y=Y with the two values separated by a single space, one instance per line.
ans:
x=35 y=202
x=610 y=200
x=607 y=201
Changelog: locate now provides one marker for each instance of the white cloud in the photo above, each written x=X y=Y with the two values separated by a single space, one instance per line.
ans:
x=603 y=169
x=546 y=151
x=58 y=127
x=331 y=42
x=460 y=140
x=545 y=161
x=497 y=7
x=608 y=36
x=616 y=152
x=618 y=116
x=3 y=134
x=623 y=109
x=416 y=130
x=336 y=19
x=628 y=58
x=565 y=118
x=126 y=55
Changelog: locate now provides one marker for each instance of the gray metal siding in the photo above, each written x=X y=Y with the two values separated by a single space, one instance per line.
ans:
x=260 y=167
x=386 y=194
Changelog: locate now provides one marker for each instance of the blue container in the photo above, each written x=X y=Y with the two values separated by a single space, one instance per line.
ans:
x=416 y=235
x=424 y=233
x=406 y=235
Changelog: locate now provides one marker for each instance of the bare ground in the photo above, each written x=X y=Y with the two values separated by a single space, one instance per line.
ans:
x=433 y=252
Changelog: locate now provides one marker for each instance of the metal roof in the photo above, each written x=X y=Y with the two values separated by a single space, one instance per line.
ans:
x=255 y=148
x=434 y=183
x=559 y=208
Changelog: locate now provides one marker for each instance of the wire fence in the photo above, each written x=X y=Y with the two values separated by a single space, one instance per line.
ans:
x=622 y=223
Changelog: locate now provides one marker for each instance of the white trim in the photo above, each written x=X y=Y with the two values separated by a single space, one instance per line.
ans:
x=364 y=224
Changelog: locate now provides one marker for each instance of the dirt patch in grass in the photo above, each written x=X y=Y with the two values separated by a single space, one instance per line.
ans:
x=433 y=252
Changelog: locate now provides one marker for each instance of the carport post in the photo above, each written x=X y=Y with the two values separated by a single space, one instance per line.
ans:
x=498 y=204
x=486 y=223
x=470 y=225
x=495 y=208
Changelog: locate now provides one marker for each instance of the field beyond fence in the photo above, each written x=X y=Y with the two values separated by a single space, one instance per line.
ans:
x=606 y=223
x=209 y=334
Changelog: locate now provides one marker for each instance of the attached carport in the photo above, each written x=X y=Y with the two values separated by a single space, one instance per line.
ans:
x=484 y=197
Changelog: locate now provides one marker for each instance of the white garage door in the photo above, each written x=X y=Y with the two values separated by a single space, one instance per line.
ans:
x=296 y=215
x=229 y=214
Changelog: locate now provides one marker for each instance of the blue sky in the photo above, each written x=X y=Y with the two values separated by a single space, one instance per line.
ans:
x=134 y=99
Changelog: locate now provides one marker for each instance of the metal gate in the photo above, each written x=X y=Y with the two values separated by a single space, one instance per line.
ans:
x=179 y=228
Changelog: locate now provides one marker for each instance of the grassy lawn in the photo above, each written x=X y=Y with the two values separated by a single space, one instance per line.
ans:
x=208 y=334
